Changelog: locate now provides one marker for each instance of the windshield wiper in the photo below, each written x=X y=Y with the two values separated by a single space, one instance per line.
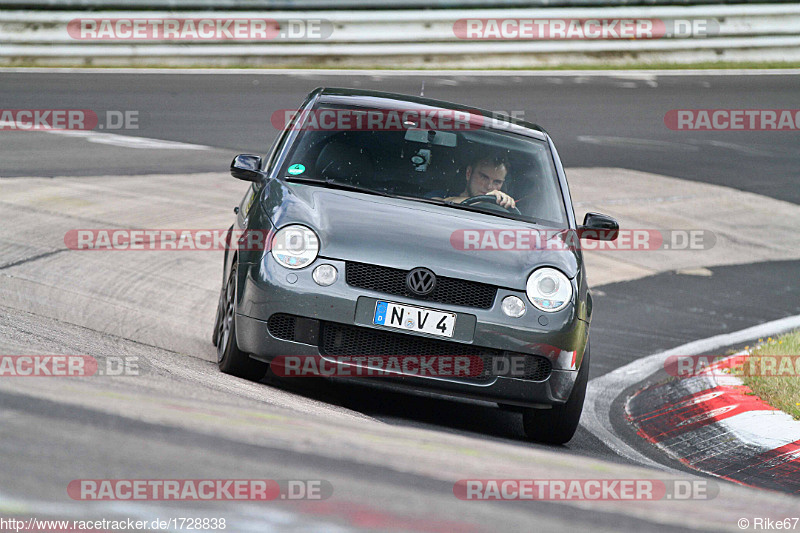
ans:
x=475 y=209
x=334 y=184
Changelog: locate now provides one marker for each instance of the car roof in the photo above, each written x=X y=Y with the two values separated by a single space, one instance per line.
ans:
x=360 y=96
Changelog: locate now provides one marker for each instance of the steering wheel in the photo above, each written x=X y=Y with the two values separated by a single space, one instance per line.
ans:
x=489 y=199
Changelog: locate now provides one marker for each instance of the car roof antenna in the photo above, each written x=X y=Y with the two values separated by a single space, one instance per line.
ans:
x=422 y=89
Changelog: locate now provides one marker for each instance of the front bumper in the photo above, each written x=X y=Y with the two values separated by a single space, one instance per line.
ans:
x=267 y=288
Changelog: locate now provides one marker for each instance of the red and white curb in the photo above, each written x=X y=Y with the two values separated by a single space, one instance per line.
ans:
x=753 y=446
x=714 y=423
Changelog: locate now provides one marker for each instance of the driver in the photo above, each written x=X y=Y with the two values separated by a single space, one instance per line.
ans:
x=486 y=175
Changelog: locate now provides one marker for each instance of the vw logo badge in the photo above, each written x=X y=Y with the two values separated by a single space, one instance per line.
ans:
x=421 y=281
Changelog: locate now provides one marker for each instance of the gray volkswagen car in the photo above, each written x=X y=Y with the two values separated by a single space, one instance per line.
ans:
x=385 y=226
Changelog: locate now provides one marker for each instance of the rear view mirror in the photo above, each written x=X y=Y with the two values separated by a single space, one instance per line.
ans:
x=247 y=167
x=440 y=138
x=598 y=227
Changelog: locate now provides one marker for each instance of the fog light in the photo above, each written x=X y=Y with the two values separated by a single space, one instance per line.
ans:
x=325 y=275
x=513 y=306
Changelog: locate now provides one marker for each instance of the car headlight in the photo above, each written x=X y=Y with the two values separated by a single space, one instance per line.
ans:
x=549 y=290
x=295 y=246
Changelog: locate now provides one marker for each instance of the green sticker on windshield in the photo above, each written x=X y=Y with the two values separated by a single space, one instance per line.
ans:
x=296 y=169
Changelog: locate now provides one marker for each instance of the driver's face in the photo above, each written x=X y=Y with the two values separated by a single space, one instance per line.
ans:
x=485 y=178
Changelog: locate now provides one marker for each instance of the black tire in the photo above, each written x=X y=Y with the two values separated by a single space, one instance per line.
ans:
x=230 y=359
x=220 y=311
x=558 y=425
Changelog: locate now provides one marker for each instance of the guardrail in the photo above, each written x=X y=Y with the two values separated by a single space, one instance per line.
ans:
x=393 y=38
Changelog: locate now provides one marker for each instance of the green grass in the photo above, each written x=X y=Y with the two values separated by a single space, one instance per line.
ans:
x=783 y=390
x=717 y=65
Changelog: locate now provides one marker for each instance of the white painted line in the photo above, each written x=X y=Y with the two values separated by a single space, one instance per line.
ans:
x=114 y=139
x=602 y=391
x=766 y=430
x=637 y=143
x=635 y=73
x=128 y=141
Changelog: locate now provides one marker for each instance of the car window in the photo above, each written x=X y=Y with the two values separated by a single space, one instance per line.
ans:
x=277 y=146
x=425 y=163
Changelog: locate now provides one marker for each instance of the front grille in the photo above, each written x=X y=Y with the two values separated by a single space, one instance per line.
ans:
x=344 y=340
x=281 y=326
x=388 y=280
x=294 y=328
x=536 y=368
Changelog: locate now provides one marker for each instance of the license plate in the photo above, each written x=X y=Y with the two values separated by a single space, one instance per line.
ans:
x=412 y=318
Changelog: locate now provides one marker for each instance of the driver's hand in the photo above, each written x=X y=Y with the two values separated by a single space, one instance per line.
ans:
x=503 y=199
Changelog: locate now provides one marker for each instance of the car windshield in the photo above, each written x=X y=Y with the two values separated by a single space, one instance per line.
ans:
x=442 y=157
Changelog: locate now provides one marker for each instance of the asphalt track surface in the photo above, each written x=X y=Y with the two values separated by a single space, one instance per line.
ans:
x=605 y=121
x=595 y=121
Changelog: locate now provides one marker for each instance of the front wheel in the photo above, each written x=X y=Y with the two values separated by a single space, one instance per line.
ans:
x=230 y=359
x=558 y=425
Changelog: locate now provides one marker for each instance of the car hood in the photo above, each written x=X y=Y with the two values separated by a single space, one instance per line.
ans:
x=406 y=234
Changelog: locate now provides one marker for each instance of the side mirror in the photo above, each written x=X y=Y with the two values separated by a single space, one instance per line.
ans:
x=247 y=167
x=598 y=227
